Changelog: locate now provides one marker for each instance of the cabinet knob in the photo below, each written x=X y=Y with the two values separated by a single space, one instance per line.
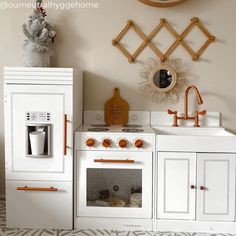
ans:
x=202 y=188
x=138 y=143
x=90 y=142
x=106 y=142
x=122 y=143
x=192 y=186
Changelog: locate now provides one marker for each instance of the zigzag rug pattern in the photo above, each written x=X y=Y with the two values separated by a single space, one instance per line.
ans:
x=4 y=231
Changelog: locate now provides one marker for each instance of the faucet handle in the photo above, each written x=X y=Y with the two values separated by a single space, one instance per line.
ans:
x=202 y=113
x=175 y=118
x=171 y=112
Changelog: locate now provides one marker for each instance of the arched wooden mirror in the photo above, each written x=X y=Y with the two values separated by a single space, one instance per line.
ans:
x=162 y=3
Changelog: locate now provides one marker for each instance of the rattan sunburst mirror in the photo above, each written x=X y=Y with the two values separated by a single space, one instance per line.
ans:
x=162 y=3
x=164 y=81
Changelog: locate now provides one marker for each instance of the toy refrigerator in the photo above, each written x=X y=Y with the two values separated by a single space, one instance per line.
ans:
x=43 y=107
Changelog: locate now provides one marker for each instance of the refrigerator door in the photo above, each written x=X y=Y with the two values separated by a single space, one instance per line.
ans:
x=39 y=137
x=39 y=204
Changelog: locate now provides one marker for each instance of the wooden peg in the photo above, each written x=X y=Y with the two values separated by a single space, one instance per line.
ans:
x=114 y=42
x=195 y=19
x=163 y=20
x=130 y=22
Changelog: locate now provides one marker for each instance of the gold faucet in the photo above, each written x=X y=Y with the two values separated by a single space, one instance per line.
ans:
x=186 y=116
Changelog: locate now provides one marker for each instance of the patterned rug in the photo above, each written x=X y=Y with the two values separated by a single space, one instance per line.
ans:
x=4 y=231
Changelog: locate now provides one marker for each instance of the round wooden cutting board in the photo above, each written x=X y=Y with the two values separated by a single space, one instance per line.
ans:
x=116 y=110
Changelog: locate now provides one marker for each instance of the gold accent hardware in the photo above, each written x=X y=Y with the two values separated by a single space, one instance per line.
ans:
x=186 y=116
x=65 y=134
x=192 y=186
x=26 y=188
x=90 y=142
x=114 y=161
x=203 y=188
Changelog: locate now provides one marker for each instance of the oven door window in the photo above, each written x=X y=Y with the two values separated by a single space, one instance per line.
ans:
x=114 y=188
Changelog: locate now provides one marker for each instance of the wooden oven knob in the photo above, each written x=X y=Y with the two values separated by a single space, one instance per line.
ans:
x=138 y=143
x=90 y=142
x=106 y=142
x=122 y=143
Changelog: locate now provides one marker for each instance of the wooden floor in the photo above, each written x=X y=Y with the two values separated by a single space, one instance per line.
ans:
x=87 y=232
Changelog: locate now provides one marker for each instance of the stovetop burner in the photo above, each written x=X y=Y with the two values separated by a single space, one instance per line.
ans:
x=132 y=130
x=100 y=125
x=132 y=126
x=98 y=129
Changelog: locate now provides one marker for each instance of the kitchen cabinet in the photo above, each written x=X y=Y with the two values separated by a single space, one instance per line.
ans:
x=197 y=186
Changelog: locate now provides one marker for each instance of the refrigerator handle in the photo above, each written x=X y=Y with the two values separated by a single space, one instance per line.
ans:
x=26 y=188
x=65 y=134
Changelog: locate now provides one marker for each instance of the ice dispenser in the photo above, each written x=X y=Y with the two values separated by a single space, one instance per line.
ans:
x=38 y=134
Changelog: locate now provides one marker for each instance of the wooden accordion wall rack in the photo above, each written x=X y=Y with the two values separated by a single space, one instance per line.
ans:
x=179 y=40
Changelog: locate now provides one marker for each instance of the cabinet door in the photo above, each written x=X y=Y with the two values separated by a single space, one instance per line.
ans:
x=39 y=209
x=38 y=99
x=176 y=174
x=216 y=198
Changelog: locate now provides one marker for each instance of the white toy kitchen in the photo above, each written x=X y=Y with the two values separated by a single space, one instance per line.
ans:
x=145 y=175
x=114 y=172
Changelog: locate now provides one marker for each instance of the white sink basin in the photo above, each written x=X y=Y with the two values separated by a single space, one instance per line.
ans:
x=190 y=139
x=190 y=131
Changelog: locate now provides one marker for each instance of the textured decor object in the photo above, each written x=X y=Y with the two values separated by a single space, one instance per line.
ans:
x=163 y=81
x=116 y=110
x=39 y=33
x=162 y=3
x=179 y=40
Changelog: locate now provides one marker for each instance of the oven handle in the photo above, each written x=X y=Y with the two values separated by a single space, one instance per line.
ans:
x=26 y=188
x=114 y=161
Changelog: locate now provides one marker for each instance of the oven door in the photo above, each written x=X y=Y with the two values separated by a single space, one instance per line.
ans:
x=114 y=184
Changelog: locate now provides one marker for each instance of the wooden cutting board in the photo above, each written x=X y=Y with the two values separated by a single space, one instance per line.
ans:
x=116 y=110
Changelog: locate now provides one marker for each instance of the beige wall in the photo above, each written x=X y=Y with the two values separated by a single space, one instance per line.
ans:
x=84 y=40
